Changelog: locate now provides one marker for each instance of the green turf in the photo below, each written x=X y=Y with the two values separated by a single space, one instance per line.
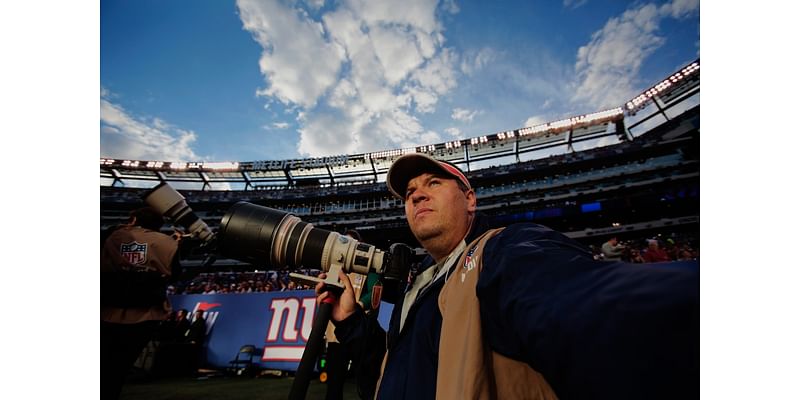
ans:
x=228 y=388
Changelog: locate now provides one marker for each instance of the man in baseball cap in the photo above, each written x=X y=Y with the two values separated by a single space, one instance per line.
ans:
x=440 y=204
x=522 y=311
x=412 y=165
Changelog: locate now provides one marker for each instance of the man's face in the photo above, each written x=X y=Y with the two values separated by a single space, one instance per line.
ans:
x=437 y=209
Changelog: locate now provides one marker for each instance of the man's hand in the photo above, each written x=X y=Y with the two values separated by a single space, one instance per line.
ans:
x=344 y=305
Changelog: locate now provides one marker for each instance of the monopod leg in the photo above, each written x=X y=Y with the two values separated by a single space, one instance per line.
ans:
x=314 y=345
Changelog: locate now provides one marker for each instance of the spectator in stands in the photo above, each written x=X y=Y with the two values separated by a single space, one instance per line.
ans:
x=686 y=255
x=136 y=263
x=209 y=289
x=654 y=252
x=523 y=312
x=636 y=256
x=612 y=249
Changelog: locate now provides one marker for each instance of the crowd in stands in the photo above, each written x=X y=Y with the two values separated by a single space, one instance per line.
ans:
x=240 y=282
x=639 y=250
x=648 y=250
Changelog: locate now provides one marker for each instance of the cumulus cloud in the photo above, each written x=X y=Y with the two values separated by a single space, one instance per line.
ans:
x=615 y=52
x=124 y=136
x=358 y=74
x=451 y=6
x=463 y=115
x=316 y=4
x=454 y=132
x=299 y=65
x=534 y=120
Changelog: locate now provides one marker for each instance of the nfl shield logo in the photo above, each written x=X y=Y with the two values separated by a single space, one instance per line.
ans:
x=134 y=252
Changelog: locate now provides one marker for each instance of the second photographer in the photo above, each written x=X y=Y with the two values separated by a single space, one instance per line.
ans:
x=136 y=262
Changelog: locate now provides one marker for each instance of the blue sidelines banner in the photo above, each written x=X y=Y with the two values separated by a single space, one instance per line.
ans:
x=277 y=323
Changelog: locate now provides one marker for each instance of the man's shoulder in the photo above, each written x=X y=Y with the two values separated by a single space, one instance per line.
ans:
x=528 y=231
x=527 y=236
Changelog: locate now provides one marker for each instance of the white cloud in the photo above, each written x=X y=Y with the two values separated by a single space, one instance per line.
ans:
x=473 y=62
x=534 y=120
x=124 y=136
x=438 y=76
x=463 y=115
x=450 y=6
x=615 y=53
x=573 y=4
x=299 y=65
x=680 y=8
x=280 y=125
x=358 y=74
x=454 y=132
x=396 y=51
x=418 y=15
x=316 y=4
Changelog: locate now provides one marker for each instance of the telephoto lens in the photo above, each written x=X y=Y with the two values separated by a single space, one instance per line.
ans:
x=268 y=237
x=169 y=203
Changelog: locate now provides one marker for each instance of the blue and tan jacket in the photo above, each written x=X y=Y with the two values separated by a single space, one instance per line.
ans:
x=542 y=319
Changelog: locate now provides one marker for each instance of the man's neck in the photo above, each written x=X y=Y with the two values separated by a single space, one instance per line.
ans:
x=440 y=256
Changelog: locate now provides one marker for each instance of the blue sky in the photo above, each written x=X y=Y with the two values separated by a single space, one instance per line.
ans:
x=212 y=80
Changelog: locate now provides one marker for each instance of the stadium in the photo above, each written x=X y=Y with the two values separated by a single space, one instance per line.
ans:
x=632 y=172
x=645 y=183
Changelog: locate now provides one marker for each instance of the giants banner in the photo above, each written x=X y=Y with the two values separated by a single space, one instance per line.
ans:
x=277 y=323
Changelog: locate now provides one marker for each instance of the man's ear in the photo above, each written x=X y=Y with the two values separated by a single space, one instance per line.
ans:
x=472 y=200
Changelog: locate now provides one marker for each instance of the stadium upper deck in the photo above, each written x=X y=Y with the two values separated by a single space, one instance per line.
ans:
x=502 y=148
x=631 y=170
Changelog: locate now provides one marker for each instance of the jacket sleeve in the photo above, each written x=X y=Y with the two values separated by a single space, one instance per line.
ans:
x=594 y=329
x=365 y=342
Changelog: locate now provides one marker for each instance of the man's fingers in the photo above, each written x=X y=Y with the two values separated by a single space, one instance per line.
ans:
x=346 y=280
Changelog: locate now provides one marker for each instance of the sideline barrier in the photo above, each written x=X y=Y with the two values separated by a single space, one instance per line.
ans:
x=277 y=323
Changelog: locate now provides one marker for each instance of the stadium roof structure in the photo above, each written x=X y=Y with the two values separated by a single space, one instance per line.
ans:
x=470 y=154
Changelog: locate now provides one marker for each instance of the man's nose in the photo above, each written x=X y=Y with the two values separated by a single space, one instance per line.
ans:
x=418 y=196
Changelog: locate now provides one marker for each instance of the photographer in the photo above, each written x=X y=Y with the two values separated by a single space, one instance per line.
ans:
x=523 y=312
x=136 y=262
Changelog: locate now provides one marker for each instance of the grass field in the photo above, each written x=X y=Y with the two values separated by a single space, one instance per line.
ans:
x=221 y=387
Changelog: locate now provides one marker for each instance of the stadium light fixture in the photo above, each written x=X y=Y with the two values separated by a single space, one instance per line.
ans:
x=641 y=101
x=220 y=166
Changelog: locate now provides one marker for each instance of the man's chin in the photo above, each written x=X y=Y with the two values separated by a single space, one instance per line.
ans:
x=424 y=235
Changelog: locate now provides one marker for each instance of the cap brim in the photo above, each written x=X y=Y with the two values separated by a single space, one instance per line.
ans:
x=410 y=166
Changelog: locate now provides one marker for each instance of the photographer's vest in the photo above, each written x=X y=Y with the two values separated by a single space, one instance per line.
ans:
x=135 y=249
x=468 y=368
